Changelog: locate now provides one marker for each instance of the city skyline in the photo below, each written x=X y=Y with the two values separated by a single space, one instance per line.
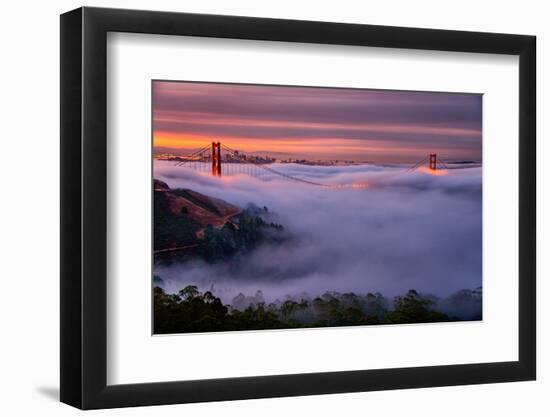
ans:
x=317 y=123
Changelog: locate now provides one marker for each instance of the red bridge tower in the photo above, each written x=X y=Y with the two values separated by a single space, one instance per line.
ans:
x=216 y=159
x=433 y=161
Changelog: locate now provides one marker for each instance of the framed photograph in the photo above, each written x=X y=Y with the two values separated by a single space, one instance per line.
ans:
x=256 y=208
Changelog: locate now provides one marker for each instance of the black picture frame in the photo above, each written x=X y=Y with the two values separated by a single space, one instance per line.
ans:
x=84 y=207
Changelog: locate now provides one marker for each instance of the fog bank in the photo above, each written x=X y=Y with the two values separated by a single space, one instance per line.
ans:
x=406 y=230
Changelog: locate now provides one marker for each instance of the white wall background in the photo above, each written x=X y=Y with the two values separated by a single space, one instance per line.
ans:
x=29 y=225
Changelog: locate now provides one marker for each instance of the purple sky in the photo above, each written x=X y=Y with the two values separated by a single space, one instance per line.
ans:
x=317 y=123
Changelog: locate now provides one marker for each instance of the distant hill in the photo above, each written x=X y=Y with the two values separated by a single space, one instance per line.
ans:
x=181 y=215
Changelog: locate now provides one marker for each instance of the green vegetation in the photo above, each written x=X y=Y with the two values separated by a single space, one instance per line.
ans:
x=171 y=230
x=193 y=311
x=244 y=234
x=181 y=234
x=412 y=308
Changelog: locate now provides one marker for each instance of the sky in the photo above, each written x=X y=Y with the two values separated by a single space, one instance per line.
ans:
x=317 y=123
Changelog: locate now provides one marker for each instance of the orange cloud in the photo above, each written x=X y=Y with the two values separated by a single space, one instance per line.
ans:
x=313 y=148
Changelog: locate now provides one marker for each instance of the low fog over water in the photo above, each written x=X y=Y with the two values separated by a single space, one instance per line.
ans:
x=406 y=230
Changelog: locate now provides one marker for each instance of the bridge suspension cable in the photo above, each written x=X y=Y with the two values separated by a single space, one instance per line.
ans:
x=419 y=163
x=189 y=158
x=239 y=163
x=271 y=170
x=432 y=160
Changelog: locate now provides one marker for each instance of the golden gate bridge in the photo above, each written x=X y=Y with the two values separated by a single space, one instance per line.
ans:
x=219 y=159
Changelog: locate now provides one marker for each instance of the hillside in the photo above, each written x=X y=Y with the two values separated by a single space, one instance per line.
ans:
x=188 y=225
x=181 y=215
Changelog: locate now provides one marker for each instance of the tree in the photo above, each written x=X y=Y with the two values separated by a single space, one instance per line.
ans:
x=192 y=311
x=412 y=308
x=190 y=292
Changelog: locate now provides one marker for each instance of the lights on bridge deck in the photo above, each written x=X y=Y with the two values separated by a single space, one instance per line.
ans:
x=429 y=171
x=353 y=185
x=238 y=163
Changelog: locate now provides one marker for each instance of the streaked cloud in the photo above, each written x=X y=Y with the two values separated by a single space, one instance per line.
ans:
x=318 y=123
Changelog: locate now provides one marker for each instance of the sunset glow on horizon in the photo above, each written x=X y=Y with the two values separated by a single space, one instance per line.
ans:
x=317 y=123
